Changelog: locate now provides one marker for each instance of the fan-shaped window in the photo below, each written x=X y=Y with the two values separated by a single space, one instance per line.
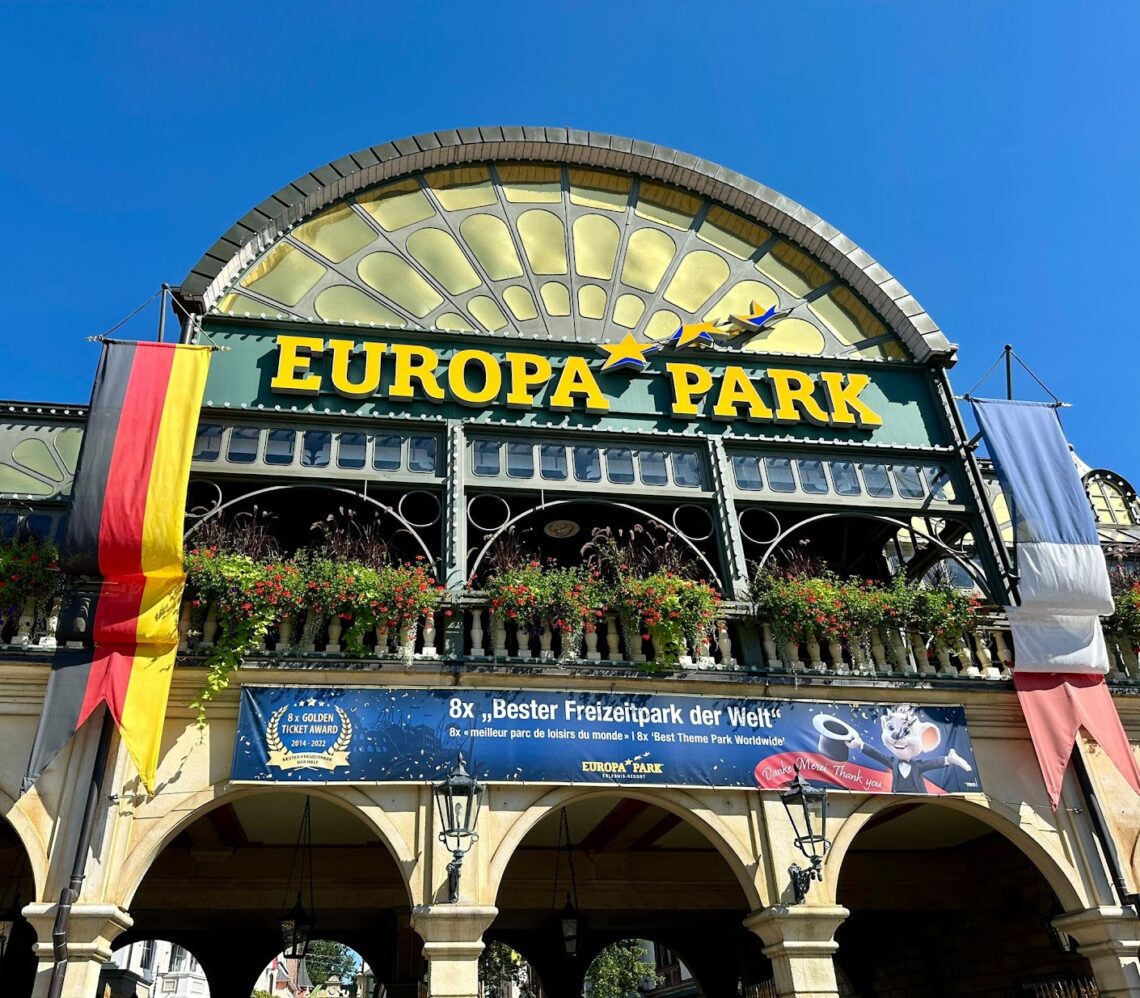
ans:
x=1112 y=502
x=646 y=257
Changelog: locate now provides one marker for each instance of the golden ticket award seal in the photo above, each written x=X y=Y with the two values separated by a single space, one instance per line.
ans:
x=310 y=734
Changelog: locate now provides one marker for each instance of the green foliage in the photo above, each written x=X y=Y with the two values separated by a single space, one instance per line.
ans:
x=501 y=967
x=29 y=570
x=823 y=607
x=619 y=970
x=249 y=595
x=259 y=993
x=325 y=958
x=1125 y=619
x=672 y=610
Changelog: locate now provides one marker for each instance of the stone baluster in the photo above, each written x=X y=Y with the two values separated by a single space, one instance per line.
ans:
x=966 y=657
x=985 y=659
x=704 y=652
x=407 y=649
x=771 y=653
x=592 y=653
x=209 y=627
x=184 y=625
x=477 y=633
x=51 y=626
x=429 y=650
x=1005 y=656
x=381 y=640
x=332 y=646
x=814 y=656
x=899 y=650
x=835 y=650
x=792 y=657
x=921 y=658
x=545 y=641
x=24 y=625
x=724 y=643
x=613 y=646
x=284 y=634
x=878 y=652
x=634 y=645
x=859 y=661
x=942 y=653
x=499 y=636
x=1127 y=645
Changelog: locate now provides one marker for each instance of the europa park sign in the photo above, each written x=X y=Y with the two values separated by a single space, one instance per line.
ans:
x=408 y=372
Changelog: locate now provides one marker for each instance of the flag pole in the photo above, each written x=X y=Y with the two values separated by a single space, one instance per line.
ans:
x=70 y=894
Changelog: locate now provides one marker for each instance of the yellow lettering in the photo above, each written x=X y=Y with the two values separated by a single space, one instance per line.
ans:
x=577 y=379
x=528 y=370
x=414 y=363
x=457 y=377
x=691 y=382
x=737 y=389
x=794 y=388
x=293 y=373
x=342 y=351
x=847 y=409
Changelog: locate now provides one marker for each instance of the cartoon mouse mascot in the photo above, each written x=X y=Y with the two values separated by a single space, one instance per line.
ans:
x=906 y=736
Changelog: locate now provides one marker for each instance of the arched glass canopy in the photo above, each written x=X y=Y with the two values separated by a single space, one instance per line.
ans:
x=552 y=251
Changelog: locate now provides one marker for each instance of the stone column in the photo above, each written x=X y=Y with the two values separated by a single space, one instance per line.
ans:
x=1109 y=939
x=800 y=942
x=453 y=940
x=91 y=930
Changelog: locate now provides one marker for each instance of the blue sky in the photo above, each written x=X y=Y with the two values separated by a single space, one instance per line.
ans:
x=986 y=153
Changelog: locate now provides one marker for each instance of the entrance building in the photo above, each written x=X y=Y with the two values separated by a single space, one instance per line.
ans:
x=509 y=350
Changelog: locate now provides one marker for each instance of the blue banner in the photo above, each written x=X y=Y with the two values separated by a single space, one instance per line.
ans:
x=384 y=735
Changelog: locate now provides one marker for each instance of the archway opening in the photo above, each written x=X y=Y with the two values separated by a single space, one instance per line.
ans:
x=631 y=869
x=17 y=888
x=329 y=969
x=942 y=904
x=153 y=966
x=229 y=875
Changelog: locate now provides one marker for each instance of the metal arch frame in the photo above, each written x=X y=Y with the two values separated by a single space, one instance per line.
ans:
x=210 y=514
x=970 y=569
x=713 y=573
x=264 y=225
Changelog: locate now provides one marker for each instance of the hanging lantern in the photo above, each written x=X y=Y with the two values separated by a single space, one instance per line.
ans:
x=297 y=922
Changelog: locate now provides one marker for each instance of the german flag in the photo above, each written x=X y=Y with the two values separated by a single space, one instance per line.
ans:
x=125 y=528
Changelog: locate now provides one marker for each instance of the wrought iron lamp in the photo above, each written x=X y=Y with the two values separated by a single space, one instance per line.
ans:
x=458 y=799
x=570 y=919
x=804 y=803
x=297 y=923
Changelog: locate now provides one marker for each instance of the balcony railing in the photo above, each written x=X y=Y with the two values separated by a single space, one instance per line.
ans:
x=464 y=630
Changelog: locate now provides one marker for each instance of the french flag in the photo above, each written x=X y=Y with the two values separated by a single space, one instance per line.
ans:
x=1063 y=589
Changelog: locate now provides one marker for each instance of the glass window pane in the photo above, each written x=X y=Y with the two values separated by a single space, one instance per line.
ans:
x=779 y=470
x=316 y=449
x=876 y=480
x=243 y=445
x=941 y=487
x=908 y=480
x=746 y=471
x=486 y=457
x=386 y=456
x=208 y=443
x=686 y=470
x=520 y=460
x=279 y=446
x=553 y=462
x=587 y=464
x=812 y=477
x=422 y=456
x=350 y=450
x=653 y=467
x=845 y=479
x=619 y=465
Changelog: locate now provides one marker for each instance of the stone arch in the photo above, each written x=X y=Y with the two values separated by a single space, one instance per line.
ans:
x=149 y=848
x=25 y=831
x=1064 y=884
x=745 y=869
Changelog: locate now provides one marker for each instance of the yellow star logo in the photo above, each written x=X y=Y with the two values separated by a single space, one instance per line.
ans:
x=696 y=332
x=755 y=320
x=627 y=354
